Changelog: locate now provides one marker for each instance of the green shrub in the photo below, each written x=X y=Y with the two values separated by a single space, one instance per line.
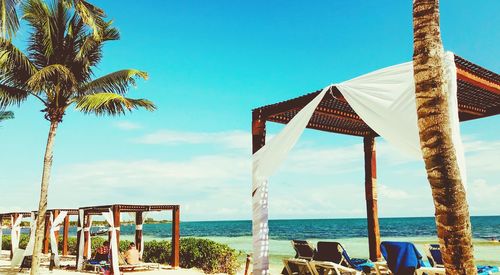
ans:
x=207 y=255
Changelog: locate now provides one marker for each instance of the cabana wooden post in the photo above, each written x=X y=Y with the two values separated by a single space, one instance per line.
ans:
x=138 y=210
x=478 y=97
x=46 y=238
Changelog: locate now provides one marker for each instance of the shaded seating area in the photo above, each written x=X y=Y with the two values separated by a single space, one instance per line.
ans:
x=111 y=213
x=478 y=96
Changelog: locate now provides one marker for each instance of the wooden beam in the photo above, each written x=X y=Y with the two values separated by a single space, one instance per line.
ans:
x=175 y=237
x=46 y=235
x=138 y=231
x=463 y=74
x=65 y=236
x=86 y=237
x=116 y=222
x=258 y=131
x=371 y=198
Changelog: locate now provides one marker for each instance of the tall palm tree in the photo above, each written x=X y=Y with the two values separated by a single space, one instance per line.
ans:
x=90 y=15
x=57 y=69
x=4 y=115
x=452 y=211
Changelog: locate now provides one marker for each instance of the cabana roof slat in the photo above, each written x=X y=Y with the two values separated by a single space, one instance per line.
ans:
x=478 y=97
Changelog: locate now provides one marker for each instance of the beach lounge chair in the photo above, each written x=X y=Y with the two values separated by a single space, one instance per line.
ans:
x=334 y=252
x=295 y=266
x=324 y=268
x=433 y=254
x=403 y=258
x=303 y=249
x=124 y=266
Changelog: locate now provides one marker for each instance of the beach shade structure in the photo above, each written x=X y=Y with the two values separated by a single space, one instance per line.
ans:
x=381 y=103
x=54 y=219
x=111 y=214
x=336 y=253
x=15 y=219
x=433 y=254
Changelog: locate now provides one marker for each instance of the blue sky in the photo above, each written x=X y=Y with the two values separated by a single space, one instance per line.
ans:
x=210 y=63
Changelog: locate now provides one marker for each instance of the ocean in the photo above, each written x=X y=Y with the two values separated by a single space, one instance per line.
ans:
x=350 y=232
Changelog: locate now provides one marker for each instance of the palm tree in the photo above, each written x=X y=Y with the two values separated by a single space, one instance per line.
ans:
x=90 y=15
x=4 y=115
x=452 y=211
x=57 y=69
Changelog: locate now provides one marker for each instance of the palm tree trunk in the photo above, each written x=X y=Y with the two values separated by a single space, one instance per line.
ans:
x=42 y=206
x=450 y=202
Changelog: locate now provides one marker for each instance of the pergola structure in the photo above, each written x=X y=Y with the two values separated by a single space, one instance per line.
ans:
x=13 y=216
x=138 y=210
x=46 y=238
x=478 y=97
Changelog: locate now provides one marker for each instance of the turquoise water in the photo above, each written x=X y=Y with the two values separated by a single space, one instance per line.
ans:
x=350 y=232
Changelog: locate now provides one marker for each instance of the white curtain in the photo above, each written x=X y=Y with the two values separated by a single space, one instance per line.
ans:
x=15 y=232
x=87 y=229
x=265 y=162
x=385 y=100
x=80 y=232
x=113 y=245
x=31 y=243
x=54 y=227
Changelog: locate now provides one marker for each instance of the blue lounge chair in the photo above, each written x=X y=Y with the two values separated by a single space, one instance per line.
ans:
x=402 y=258
x=335 y=252
x=433 y=254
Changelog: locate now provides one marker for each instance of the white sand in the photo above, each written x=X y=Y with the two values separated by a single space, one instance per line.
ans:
x=5 y=268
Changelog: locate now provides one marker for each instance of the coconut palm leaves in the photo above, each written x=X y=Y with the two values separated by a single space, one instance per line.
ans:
x=65 y=41
x=91 y=15
x=58 y=66
x=6 y=115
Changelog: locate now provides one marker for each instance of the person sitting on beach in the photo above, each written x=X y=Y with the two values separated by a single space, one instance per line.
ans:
x=132 y=254
x=102 y=252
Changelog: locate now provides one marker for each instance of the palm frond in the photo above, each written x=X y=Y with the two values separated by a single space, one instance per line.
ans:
x=110 y=104
x=14 y=64
x=11 y=96
x=38 y=15
x=6 y=115
x=117 y=82
x=92 y=16
x=9 y=23
x=46 y=77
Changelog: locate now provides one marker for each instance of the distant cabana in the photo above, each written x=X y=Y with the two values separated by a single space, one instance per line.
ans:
x=54 y=218
x=478 y=93
x=111 y=213
x=15 y=228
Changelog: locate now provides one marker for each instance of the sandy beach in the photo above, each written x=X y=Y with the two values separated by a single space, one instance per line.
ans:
x=5 y=268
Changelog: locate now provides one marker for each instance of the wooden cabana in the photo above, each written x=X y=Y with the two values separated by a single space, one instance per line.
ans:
x=138 y=210
x=12 y=216
x=66 y=225
x=478 y=97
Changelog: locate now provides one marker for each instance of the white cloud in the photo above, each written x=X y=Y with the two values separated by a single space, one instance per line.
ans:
x=127 y=125
x=229 y=139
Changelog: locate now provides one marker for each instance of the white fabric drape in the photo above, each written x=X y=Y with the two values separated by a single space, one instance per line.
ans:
x=31 y=242
x=113 y=245
x=87 y=229
x=80 y=232
x=54 y=227
x=385 y=100
x=15 y=232
x=265 y=162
